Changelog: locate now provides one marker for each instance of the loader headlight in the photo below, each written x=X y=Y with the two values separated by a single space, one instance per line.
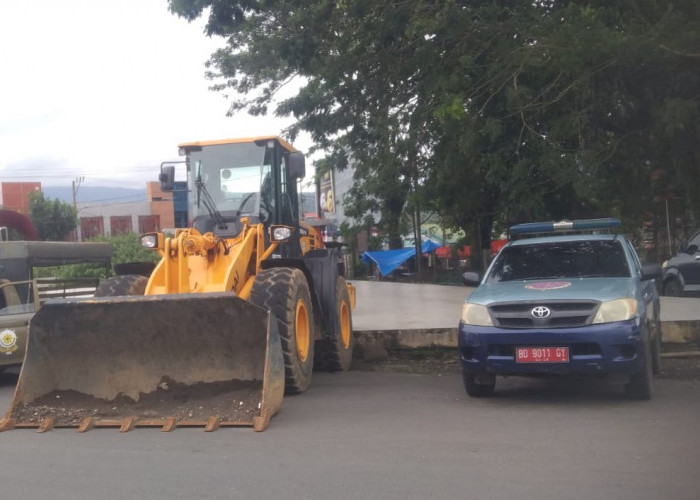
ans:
x=616 y=310
x=280 y=233
x=149 y=240
x=475 y=314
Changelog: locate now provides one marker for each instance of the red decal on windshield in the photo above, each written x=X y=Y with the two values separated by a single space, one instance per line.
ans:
x=548 y=285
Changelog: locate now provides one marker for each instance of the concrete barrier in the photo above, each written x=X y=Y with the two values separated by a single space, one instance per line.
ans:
x=392 y=316
x=680 y=332
x=374 y=345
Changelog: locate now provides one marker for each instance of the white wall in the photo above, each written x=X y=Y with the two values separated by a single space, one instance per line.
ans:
x=109 y=209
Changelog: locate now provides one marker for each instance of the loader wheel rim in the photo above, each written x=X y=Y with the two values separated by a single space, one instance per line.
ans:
x=302 y=332
x=345 y=325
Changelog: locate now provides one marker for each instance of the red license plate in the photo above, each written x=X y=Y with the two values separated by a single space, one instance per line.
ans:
x=541 y=354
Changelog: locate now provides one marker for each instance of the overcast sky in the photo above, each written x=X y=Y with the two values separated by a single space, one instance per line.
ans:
x=106 y=90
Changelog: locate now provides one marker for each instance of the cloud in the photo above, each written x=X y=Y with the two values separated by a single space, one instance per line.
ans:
x=106 y=90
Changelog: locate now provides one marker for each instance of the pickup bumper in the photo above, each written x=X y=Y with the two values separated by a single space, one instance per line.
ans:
x=606 y=349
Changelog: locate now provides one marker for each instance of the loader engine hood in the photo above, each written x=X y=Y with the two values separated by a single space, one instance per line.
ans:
x=230 y=227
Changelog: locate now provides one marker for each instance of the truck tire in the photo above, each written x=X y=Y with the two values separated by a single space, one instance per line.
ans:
x=116 y=286
x=673 y=288
x=334 y=353
x=285 y=292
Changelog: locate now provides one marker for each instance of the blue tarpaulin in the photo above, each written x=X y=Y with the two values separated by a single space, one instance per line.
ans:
x=388 y=260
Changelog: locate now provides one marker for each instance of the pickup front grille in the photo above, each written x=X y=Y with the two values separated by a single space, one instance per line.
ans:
x=552 y=314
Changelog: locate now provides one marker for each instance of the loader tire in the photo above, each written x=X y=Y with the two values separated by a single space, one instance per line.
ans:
x=334 y=352
x=285 y=292
x=116 y=286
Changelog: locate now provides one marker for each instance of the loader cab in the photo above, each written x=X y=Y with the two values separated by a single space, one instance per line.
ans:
x=231 y=179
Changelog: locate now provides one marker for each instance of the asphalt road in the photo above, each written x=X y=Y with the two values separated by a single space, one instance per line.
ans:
x=363 y=434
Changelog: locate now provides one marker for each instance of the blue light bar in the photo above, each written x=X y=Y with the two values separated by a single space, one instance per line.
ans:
x=564 y=226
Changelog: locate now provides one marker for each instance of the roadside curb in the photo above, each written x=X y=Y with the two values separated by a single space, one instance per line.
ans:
x=374 y=345
x=681 y=355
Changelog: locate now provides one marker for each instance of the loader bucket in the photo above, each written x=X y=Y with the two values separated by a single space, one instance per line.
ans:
x=165 y=361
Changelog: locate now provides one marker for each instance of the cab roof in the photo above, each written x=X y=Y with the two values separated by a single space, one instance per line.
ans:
x=217 y=142
x=565 y=226
x=554 y=238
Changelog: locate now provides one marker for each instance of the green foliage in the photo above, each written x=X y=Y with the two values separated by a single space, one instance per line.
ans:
x=14 y=234
x=127 y=248
x=361 y=270
x=71 y=271
x=53 y=219
x=349 y=234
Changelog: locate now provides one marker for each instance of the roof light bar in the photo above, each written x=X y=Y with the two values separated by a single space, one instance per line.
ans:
x=564 y=226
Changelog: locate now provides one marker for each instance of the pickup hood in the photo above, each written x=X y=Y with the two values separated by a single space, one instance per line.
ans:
x=554 y=289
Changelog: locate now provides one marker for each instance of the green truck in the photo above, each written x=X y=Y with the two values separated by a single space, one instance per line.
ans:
x=22 y=292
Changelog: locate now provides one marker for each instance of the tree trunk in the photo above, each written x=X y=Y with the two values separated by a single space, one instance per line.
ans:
x=418 y=239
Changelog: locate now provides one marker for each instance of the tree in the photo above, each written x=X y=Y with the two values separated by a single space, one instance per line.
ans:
x=579 y=99
x=53 y=219
x=486 y=112
x=358 y=98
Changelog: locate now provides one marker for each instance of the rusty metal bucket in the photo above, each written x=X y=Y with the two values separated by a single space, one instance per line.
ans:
x=165 y=361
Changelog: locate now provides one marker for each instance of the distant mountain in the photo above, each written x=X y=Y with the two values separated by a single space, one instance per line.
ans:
x=94 y=193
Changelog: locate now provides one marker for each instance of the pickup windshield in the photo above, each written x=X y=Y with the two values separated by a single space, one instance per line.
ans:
x=568 y=259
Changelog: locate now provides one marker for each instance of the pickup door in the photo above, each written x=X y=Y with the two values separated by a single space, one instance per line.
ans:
x=17 y=306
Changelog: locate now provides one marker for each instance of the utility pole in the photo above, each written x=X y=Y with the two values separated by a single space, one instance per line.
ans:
x=76 y=186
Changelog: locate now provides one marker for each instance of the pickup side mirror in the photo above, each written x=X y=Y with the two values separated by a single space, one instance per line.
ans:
x=296 y=165
x=471 y=278
x=651 y=271
x=167 y=178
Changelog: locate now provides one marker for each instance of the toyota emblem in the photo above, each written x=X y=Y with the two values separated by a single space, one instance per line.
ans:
x=540 y=312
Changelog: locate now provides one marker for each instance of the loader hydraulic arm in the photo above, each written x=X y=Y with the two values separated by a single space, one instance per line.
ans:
x=197 y=263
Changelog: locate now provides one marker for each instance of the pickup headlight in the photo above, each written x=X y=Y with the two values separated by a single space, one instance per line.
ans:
x=616 y=310
x=475 y=314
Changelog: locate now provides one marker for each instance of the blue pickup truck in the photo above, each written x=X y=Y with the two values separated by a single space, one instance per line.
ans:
x=563 y=298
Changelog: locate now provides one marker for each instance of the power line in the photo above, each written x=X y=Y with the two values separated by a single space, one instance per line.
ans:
x=30 y=174
x=97 y=203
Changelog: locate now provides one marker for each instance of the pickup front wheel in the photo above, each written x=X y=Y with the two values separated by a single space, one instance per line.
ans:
x=477 y=385
x=641 y=384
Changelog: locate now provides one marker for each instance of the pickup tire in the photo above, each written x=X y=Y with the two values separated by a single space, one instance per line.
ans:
x=117 y=286
x=656 y=349
x=476 y=390
x=641 y=384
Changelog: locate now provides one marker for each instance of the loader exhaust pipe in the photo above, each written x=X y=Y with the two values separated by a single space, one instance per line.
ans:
x=168 y=361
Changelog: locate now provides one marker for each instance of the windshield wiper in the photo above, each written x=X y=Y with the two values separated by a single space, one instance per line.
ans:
x=547 y=277
x=205 y=198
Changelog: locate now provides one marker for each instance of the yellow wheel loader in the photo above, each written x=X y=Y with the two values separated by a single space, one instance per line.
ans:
x=242 y=305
